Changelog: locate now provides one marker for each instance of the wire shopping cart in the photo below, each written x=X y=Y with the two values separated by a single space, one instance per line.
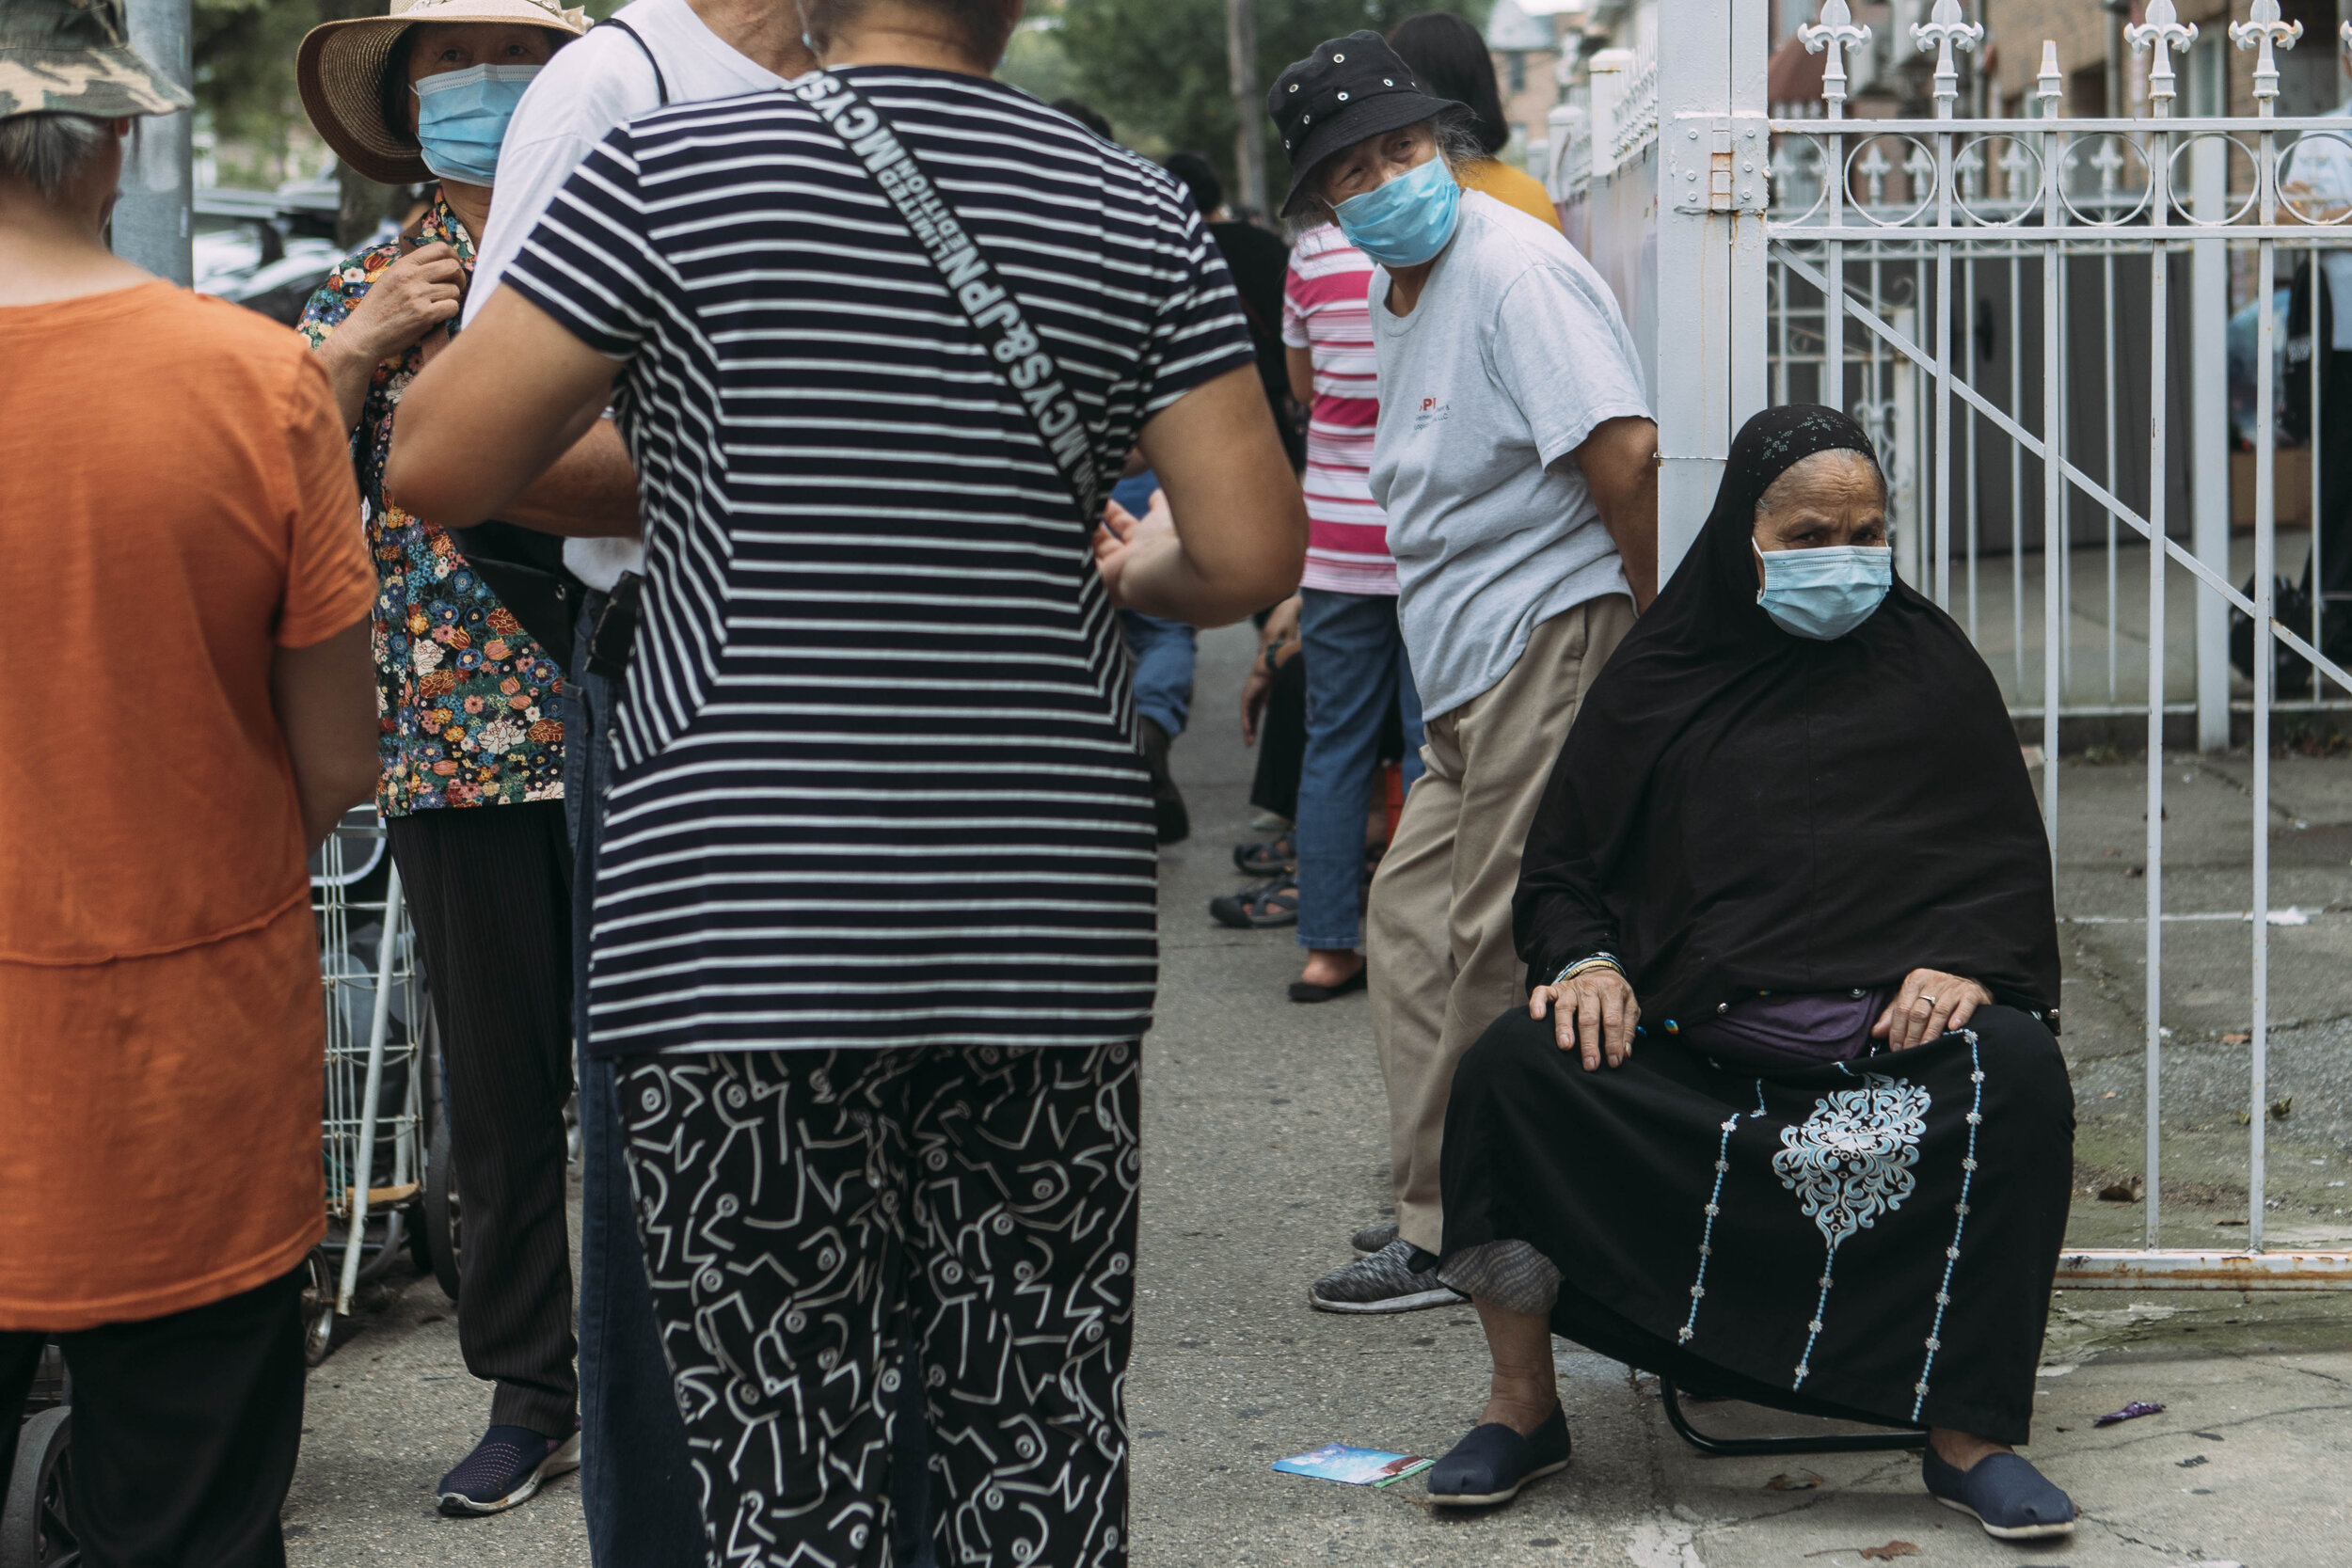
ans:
x=35 y=1531
x=383 y=1135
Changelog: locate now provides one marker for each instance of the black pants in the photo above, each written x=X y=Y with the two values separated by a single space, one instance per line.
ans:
x=2334 y=523
x=489 y=889
x=1282 y=741
x=184 y=1429
x=808 y=1216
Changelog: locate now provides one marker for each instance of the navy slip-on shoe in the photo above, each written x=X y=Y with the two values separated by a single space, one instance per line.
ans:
x=1490 y=1464
x=2011 y=1498
x=506 y=1468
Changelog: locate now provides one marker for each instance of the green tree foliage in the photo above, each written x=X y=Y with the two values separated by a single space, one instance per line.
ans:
x=1033 y=61
x=1157 y=68
x=245 y=64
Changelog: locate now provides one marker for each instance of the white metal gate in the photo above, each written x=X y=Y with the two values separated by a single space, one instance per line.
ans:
x=1810 y=256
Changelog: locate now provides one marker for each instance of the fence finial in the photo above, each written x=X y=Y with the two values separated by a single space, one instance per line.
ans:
x=1875 y=168
x=2261 y=33
x=1944 y=31
x=2165 y=33
x=1838 y=31
x=2050 y=86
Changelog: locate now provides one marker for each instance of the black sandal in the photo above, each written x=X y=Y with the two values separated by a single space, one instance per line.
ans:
x=1270 y=859
x=1260 y=908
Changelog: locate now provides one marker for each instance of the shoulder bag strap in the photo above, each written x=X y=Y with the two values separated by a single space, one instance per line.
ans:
x=1013 y=345
x=660 y=82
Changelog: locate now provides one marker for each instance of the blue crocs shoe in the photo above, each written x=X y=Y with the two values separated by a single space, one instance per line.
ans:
x=1490 y=1464
x=2011 y=1498
x=506 y=1468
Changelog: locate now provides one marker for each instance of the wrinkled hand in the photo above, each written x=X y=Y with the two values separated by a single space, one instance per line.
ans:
x=418 y=292
x=1124 y=533
x=1594 y=1014
x=1930 y=1006
x=1281 y=631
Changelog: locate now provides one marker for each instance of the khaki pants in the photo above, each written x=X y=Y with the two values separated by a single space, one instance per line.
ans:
x=1438 y=939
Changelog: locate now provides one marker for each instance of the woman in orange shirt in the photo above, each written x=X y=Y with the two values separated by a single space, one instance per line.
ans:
x=186 y=595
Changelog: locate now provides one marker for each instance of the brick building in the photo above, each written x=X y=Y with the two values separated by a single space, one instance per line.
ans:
x=1527 y=49
x=2099 y=68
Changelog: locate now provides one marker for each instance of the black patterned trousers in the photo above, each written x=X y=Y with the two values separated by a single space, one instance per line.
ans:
x=805 y=1215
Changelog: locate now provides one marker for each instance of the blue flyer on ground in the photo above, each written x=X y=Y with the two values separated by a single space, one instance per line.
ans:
x=1356 y=1466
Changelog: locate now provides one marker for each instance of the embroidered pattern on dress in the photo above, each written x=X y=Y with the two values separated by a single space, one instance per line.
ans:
x=1849 y=1162
x=1951 y=1253
x=1714 y=1206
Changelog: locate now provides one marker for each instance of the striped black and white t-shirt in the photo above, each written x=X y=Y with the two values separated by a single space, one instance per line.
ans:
x=877 y=783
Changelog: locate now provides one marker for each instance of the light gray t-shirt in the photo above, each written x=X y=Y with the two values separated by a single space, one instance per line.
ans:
x=1514 y=351
x=590 y=85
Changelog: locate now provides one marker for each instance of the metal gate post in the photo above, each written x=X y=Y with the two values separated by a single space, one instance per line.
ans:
x=1713 y=194
x=2209 y=425
x=152 y=217
x=2161 y=34
x=1750 y=61
x=1692 y=394
x=2049 y=87
x=1946 y=31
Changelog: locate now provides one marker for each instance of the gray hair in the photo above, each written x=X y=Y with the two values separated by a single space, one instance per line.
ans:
x=1456 y=135
x=48 y=150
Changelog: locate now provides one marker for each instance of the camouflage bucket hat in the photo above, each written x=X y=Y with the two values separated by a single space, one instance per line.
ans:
x=73 y=56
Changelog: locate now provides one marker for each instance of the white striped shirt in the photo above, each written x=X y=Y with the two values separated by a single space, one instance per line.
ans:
x=1326 y=311
x=877 y=782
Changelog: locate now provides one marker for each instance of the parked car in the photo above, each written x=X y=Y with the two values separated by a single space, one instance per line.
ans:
x=268 y=250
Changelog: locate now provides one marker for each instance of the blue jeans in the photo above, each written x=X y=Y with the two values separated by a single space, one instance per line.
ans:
x=1164 y=652
x=636 y=1486
x=1355 y=666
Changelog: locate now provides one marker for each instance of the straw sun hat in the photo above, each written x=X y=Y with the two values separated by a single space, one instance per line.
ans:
x=341 y=69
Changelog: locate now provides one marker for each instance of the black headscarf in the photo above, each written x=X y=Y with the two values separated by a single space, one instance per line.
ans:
x=1739 y=810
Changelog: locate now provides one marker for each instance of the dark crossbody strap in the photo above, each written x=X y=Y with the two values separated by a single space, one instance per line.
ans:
x=660 y=82
x=1013 y=345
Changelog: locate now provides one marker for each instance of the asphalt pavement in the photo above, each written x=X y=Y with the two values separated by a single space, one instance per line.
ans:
x=1264 y=1146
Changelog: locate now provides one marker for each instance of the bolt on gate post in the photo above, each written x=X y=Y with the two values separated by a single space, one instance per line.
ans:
x=2006 y=211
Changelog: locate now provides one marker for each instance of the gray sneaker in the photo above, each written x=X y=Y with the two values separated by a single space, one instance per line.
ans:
x=1372 y=1238
x=1383 y=1282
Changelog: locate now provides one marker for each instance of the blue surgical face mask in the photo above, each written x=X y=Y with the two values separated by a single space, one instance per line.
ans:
x=462 y=116
x=1824 y=594
x=1407 y=221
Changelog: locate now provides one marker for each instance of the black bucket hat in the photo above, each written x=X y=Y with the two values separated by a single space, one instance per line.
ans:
x=1349 y=89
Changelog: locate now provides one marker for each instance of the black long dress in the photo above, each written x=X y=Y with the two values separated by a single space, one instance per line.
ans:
x=1740 y=811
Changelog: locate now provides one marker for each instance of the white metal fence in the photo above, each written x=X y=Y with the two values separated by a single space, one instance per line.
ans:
x=2003 y=302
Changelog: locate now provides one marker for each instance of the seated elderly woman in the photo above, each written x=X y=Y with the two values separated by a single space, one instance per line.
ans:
x=1784 y=1119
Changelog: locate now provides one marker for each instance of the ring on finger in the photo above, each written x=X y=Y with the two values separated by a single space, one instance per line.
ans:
x=1929 y=1000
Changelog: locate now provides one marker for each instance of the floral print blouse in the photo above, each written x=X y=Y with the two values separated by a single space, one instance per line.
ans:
x=468 y=703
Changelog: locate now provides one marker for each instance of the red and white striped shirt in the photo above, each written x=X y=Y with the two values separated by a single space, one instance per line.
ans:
x=1325 y=311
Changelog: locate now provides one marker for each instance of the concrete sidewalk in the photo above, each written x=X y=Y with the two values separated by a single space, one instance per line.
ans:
x=1265 y=1145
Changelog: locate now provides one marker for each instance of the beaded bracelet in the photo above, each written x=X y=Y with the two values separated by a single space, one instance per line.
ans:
x=1596 y=961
